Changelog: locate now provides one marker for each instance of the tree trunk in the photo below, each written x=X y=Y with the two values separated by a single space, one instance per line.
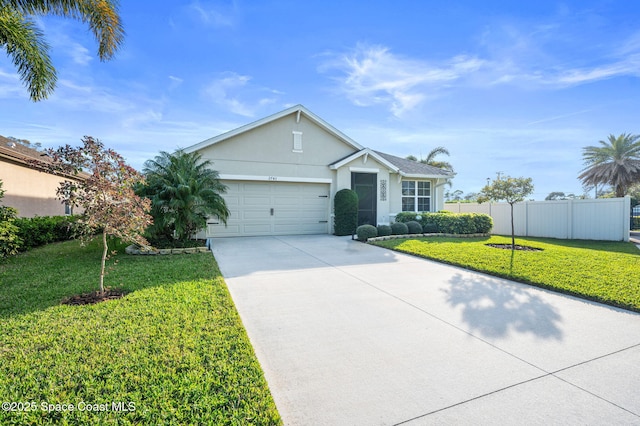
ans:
x=513 y=230
x=104 y=259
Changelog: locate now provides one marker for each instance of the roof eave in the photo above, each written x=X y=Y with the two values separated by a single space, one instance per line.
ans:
x=247 y=127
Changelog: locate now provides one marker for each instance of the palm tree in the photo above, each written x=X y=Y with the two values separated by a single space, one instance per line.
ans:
x=184 y=191
x=24 y=41
x=431 y=161
x=615 y=163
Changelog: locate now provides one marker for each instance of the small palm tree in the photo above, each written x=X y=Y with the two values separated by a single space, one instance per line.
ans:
x=184 y=191
x=615 y=163
x=24 y=41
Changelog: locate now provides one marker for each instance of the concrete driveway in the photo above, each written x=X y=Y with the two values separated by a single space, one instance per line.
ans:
x=351 y=334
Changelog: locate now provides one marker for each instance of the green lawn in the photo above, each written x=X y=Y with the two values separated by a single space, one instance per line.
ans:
x=173 y=351
x=607 y=272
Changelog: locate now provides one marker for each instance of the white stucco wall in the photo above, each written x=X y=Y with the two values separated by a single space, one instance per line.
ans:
x=268 y=151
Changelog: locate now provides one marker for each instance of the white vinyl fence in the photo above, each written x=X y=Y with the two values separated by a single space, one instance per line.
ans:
x=599 y=219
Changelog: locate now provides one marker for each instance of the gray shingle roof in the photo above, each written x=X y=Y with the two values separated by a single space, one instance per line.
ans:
x=412 y=167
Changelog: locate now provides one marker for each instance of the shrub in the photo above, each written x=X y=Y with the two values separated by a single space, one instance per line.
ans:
x=41 y=230
x=399 y=228
x=405 y=217
x=384 y=230
x=346 y=212
x=9 y=240
x=365 y=232
x=430 y=228
x=414 y=227
x=483 y=223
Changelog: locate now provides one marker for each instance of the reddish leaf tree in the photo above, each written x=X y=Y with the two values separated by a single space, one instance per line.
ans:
x=103 y=188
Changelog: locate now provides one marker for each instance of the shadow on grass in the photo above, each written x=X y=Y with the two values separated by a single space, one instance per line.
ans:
x=496 y=310
x=43 y=277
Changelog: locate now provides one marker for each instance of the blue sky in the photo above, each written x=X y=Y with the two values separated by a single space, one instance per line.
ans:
x=512 y=87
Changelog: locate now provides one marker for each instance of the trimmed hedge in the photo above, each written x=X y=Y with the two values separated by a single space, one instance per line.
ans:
x=449 y=223
x=41 y=230
x=365 y=232
x=384 y=230
x=346 y=212
x=414 y=227
x=399 y=228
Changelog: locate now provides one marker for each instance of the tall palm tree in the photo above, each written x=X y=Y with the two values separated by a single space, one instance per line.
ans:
x=184 y=191
x=615 y=163
x=24 y=41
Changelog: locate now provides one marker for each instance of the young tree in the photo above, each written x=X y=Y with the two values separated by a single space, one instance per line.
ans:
x=511 y=190
x=24 y=42
x=104 y=192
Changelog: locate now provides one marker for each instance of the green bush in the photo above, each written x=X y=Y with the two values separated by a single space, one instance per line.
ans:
x=405 y=217
x=414 y=227
x=430 y=228
x=41 y=230
x=384 y=230
x=450 y=223
x=9 y=240
x=346 y=212
x=365 y=232
x=399 y=228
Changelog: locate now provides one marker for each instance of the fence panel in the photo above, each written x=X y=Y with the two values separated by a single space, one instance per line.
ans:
x=600 y=219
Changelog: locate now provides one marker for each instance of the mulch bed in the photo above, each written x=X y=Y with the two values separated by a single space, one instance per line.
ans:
x=94 y=297
x=517 y=247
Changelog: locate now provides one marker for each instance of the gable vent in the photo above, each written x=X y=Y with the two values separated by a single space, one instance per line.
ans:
x=297 y=141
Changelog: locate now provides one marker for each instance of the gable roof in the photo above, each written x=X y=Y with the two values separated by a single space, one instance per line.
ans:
x=412 y=168
x=404 y=167
x=297 y=109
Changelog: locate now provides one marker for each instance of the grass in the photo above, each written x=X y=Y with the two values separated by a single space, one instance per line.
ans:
x=173 y=351
x=603 y=271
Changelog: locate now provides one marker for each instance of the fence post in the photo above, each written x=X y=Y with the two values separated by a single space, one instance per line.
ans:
x=626 y=224
x=570 y=219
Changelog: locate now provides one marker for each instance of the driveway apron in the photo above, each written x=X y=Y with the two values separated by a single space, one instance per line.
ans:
x=352 y=334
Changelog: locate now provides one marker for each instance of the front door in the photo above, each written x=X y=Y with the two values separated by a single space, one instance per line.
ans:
x=364 y=184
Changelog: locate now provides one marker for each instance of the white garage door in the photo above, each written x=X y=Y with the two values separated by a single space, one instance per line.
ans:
x=273 y=208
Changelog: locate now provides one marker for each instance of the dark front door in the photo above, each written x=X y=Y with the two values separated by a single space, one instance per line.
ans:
x=364 y=184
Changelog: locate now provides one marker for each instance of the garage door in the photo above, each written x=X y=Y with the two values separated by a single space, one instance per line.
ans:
x=273 y=208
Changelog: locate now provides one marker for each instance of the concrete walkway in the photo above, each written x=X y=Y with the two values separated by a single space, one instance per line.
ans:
x=351 y=334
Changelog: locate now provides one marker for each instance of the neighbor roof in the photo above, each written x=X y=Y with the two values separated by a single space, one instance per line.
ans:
x=17 y=152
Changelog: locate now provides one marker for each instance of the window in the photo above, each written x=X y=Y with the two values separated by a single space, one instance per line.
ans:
x=68 y=210
x=416 y=196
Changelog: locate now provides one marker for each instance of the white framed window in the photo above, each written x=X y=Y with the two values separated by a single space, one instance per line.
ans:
x=416 y=196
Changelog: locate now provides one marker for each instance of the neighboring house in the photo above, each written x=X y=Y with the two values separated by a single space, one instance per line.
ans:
x=283 y=171
x=31 y=192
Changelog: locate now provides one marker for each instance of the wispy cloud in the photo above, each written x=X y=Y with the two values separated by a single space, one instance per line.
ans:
x=217 y=14
x=374 y=75
x=236 y=93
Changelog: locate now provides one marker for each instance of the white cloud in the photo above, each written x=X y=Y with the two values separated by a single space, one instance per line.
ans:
x=374 y=75
x=79 y=54
x=231 y=90
x=215 y=14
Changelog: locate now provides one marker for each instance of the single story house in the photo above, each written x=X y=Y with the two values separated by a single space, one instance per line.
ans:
x=283 y=171
x=31 y=192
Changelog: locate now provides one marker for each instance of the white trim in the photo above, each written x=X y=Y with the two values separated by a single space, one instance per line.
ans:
x=363 y=170
x=420 y=176
x=298 y=109
x=275 y=178
x=367 y=152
